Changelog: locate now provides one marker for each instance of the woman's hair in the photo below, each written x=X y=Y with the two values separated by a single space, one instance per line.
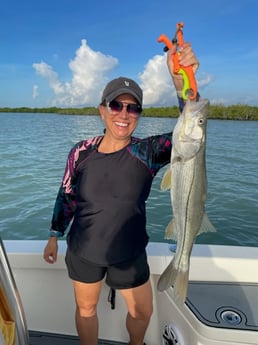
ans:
x=103 y=103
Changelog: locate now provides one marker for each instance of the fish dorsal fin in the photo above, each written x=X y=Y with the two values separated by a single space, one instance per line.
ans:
x=166 y=182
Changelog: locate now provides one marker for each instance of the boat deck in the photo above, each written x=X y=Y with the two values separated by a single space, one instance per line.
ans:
x=42 y=338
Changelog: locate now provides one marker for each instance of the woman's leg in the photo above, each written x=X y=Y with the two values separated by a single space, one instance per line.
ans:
x=87 y=297
x=140 y=307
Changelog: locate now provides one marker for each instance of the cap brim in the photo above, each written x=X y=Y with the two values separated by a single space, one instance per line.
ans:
x=122 y=91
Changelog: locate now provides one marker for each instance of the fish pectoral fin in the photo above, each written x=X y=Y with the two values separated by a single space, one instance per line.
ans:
x=166 y=180
x=170 y=232
x=206 y=225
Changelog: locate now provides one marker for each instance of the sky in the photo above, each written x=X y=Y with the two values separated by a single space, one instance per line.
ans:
x=63 y=52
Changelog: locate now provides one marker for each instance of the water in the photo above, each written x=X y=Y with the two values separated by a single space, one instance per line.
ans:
x=34 y=147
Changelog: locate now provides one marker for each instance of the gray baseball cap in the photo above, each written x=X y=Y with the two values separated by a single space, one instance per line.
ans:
x=119 y=86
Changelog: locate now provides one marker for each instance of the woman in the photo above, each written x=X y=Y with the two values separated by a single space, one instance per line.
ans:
x=103 y=193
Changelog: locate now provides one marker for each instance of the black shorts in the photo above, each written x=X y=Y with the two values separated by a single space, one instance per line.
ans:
x=125 y=275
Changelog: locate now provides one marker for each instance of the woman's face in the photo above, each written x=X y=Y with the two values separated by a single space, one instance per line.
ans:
x=120 y=124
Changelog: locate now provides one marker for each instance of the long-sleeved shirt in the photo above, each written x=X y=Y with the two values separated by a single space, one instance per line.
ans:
x=103 y=197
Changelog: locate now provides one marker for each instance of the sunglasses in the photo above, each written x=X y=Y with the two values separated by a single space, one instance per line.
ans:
x=116 y=107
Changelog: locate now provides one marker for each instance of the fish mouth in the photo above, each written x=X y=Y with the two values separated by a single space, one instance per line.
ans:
x=200 y=105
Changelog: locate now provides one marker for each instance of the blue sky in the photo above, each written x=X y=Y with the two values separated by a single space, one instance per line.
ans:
x=62 y=53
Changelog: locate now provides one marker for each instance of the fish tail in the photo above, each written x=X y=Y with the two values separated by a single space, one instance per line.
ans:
x=175 y=278
x=181 y=286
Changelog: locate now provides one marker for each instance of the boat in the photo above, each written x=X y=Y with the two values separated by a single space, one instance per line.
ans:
x=13 y=328
x=221 y=306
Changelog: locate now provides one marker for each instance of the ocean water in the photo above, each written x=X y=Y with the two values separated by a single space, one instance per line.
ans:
x=33 y=151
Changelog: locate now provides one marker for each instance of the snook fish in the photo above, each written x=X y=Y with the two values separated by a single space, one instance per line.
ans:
x=186 y=177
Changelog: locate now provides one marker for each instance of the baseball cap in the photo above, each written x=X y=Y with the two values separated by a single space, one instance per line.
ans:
x=119 y=86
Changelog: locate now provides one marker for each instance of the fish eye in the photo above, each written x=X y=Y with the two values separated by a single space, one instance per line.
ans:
x=201 y=121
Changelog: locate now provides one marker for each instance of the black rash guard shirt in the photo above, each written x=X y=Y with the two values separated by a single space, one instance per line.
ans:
x=106 y=194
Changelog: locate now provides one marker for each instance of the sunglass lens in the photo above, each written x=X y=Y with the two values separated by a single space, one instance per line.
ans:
x=134 y=109
x=116 y=106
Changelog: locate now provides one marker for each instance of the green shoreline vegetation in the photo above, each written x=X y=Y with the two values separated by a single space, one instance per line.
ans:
x=220 y=112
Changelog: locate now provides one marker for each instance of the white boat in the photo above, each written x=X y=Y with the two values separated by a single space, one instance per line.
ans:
x=221 y=307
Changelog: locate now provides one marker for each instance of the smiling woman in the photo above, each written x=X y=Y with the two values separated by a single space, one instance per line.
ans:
x=104 y=190
x=103 y=195
x=105 y=186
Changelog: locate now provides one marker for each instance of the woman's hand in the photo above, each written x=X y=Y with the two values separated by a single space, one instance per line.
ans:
x=186 y=58
x=50 y=251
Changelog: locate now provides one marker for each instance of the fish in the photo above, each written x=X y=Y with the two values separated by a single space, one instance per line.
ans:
x=187 y=180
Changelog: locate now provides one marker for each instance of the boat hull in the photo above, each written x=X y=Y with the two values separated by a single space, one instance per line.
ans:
x=223 y=281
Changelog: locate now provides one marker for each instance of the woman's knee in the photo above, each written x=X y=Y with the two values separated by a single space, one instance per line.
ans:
x=141 y=312
x=87 y=297
x=86 y=310
x=139 y=301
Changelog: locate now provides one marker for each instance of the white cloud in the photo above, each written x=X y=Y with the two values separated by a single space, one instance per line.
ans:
x=47 y=72
x=89 y=69
x=204 y=80
x=156 y=82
